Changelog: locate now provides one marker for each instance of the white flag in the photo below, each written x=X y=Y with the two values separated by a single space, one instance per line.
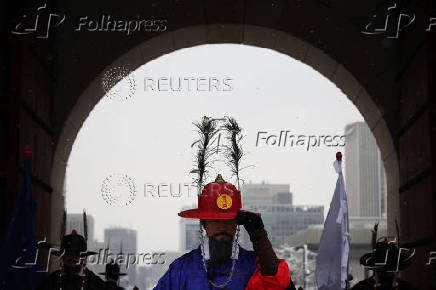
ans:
x=332 y=260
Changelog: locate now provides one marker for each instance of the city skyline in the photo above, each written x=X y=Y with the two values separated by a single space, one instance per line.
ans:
x=124 y=137
x=281 y=217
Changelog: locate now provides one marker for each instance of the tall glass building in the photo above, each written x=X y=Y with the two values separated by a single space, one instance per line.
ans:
x=189 y=232
x=364 y=173
x=280 y=217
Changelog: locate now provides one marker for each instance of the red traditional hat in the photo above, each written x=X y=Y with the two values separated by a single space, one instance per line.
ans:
x=218 y=200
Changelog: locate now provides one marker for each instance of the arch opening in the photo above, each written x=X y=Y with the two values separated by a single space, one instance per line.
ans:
x=282 y=43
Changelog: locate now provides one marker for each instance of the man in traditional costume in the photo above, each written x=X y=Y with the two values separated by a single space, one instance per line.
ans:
x=112 y=275
x=386 y=261
x=73 y=274
x=219 y=262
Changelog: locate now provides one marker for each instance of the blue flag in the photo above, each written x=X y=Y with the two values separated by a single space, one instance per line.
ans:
x=19 y=268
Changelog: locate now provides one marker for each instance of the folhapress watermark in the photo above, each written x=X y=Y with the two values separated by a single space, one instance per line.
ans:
x=285 y=139
x=42 y=21
x=40 y=24
x=102 y=257
x=431 y=258
x=188 y=84
x=106 y=22
x=389 y=20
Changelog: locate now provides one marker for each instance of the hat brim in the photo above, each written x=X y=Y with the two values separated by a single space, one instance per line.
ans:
x=87 y=253
x=197 y=214
x=368 y=261
x=119 y=274
x=44 y=245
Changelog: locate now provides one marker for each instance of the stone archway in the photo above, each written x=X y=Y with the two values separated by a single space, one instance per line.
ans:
x=252 y=35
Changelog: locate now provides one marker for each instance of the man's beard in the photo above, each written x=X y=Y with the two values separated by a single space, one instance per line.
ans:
x=220 y=251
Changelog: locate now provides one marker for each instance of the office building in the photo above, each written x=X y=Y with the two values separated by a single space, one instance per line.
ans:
x=364 y=173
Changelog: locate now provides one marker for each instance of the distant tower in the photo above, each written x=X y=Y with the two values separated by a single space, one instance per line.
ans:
x=117 y=238
x=189 y=233
x=280 y=217
x=364 y=173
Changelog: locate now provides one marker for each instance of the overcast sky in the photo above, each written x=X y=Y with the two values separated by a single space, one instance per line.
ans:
x=148 y=136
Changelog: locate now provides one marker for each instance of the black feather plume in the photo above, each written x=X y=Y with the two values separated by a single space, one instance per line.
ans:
x=85 y=226
x=63 y=224
x=234 y=151
x=398 y=232
x=207 y=130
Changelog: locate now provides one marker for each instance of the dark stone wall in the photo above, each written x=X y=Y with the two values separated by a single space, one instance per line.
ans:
x=26 y=119
x=416 y=139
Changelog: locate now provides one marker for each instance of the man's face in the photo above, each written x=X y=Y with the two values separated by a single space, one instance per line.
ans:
x=214 y=226
x=71 y=259
x=384 y=274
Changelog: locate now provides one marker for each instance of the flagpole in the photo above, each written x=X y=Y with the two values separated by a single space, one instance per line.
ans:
x=347 y=284
x=348 y=260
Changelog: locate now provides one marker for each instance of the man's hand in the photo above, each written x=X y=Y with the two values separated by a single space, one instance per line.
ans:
x=261 y=245
x=251 y=221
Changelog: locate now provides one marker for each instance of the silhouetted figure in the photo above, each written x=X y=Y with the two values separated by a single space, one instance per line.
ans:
x=74 y=275
x=112 y=275
x=386 y=264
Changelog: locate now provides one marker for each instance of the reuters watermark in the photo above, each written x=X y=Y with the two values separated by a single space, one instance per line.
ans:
x=120 y=190
x=286 y=139
x=188 y=84
x=119 y=83
x=165 y=190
